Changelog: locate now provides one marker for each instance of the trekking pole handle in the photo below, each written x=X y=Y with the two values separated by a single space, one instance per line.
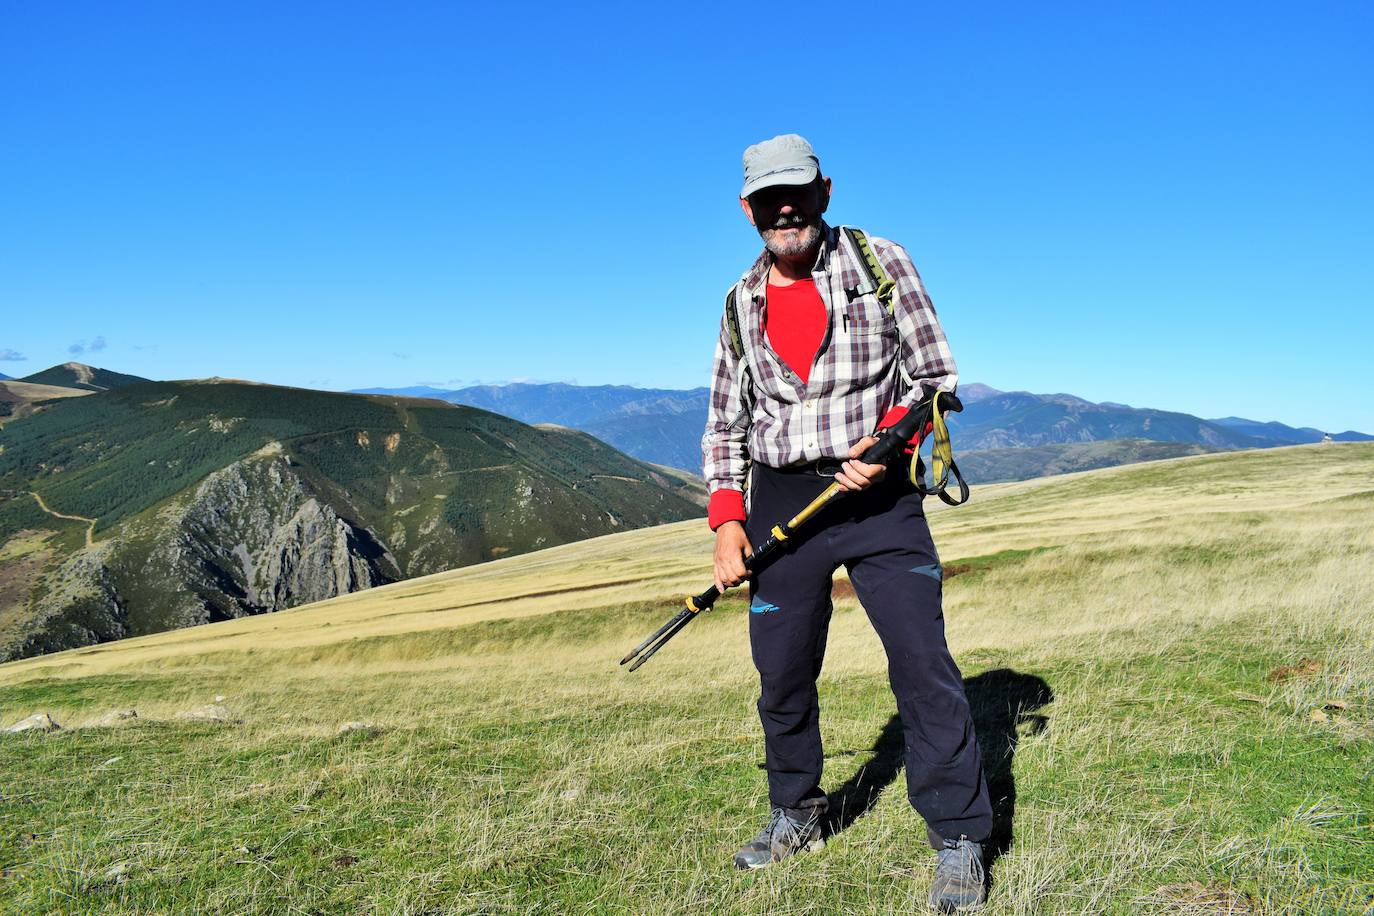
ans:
x=897 y=435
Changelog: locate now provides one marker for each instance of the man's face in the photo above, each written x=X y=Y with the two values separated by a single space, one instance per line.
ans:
x=788 y=217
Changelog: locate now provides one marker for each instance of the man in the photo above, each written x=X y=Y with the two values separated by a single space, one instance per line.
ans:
x=823 y=362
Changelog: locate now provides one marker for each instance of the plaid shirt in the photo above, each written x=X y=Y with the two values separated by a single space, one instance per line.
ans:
x=854 y=382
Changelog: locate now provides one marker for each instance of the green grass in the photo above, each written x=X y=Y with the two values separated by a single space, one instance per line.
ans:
x=470 y=801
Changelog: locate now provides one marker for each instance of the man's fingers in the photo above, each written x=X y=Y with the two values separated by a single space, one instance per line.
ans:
x=858 y=448
x=874 y=472
x=723 y=577
x=855 y=475
x=738 y=571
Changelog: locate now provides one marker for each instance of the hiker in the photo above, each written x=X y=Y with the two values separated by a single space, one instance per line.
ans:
x=824 y=364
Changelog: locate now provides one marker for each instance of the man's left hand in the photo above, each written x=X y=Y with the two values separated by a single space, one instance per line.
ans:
x=854 y=474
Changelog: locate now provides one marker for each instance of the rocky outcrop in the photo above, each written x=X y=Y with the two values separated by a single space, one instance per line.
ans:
x=316 y=555
x=82 y=605
x=256 y=537
x=252 y=538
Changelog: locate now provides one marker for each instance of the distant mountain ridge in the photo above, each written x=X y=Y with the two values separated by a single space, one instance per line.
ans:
x=1278 y=432
x=665 y=425
x=661 y=425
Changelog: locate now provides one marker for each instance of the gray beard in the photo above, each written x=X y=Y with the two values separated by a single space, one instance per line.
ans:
x=806 y=241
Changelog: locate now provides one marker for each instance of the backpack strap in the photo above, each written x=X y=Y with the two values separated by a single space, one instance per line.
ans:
x=732 y=323
x=744 y=379
x=876 y=279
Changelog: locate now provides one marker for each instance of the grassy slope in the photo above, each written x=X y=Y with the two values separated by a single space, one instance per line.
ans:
x=1117 y=630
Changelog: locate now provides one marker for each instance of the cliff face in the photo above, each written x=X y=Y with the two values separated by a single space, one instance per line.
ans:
x=253 y=537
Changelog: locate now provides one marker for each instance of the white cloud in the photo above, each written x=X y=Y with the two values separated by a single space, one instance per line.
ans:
x=12 y=356
x=95 y=346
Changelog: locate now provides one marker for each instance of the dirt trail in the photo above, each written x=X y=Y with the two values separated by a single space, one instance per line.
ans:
x=90 y=522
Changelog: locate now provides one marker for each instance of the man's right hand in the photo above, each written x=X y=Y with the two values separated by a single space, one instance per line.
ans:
x=732 y=546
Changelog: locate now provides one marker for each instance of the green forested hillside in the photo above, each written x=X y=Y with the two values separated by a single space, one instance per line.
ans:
x=211 y=500
x=110 y=457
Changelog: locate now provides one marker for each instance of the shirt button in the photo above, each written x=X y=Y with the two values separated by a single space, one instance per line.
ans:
x=810 y=445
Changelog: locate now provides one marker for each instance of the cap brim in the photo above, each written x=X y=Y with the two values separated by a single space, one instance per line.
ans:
x=791 y=175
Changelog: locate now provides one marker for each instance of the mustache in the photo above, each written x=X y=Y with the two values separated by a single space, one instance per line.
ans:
x=796 y=220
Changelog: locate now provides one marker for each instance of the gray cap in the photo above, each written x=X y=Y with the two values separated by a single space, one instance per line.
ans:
x=787 y=159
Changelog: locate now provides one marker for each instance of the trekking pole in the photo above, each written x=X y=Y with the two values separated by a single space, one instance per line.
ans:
x=889 y=441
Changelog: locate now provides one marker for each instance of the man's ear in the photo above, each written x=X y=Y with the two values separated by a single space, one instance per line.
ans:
x=825 y=193
x=748 y=210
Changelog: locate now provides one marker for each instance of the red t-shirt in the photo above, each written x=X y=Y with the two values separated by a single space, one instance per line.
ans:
x=795 y=324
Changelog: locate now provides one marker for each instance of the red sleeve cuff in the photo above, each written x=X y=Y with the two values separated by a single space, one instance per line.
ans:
x=726 y=505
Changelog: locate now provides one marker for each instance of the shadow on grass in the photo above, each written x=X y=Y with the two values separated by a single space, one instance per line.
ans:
x=1004 y=704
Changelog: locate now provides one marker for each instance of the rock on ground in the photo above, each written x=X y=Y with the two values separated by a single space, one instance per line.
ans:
x=211 y=713
x=38 y=722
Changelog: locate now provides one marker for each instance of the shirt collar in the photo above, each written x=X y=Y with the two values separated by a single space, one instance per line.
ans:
x=757 y=276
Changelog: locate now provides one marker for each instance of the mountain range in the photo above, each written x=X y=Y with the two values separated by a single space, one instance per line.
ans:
x=154 y=505
x=665 y=425
x=661 y=425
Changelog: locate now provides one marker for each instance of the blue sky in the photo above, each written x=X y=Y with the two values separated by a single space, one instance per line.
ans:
x=1167 y=206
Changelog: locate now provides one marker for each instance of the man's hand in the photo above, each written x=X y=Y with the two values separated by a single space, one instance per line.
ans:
x=854 y=474
x=732 y=546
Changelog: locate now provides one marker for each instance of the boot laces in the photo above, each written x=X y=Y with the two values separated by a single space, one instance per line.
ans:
x=779 y=827
x=959 y=860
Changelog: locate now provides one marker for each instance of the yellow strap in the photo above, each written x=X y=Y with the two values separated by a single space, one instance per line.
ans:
x=885 y=284
x=941 y=449
x=942 y=452
x=779 y=533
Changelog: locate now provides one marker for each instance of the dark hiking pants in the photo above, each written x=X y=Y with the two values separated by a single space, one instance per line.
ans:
x=881 y=537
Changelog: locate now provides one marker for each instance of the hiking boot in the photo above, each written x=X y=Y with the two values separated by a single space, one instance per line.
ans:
x=783 y=835
x=960 y=882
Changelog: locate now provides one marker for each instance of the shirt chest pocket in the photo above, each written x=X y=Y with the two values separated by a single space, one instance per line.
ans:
x=867 y=342
x=865 y=316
